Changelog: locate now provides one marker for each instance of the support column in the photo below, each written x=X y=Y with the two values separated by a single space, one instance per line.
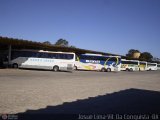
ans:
x=9 y=54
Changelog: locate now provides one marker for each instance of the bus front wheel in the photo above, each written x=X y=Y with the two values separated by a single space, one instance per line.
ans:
x=131 y=69
x=103 y=70
x=55 y=68
x=15 y=65
x=127 y=69
x=108 y=69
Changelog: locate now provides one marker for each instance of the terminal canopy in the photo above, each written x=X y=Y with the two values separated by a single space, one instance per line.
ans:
x=26 y=44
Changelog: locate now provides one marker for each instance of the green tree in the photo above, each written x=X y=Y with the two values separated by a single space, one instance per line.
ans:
x=72 y=46
x=47 y=43
x=131 y=52
x=146 y=56
x=62 y=42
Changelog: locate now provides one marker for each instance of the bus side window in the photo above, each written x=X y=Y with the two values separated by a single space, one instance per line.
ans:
x=45 y=55
x=52 y=55
x=61 y=56
x=69 y=56
x=33 y=54
x=39 y=55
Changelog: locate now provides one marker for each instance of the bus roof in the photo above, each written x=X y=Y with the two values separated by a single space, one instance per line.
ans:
x=151 y=63
x=88 y=54
x=43 y=51
x=142 y=61
x=130 y=60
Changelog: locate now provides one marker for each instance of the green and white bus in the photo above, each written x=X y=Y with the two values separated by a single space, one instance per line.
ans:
x=151 y=66
x=129 y=65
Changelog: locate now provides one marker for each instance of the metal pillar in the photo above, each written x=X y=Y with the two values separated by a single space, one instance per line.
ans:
x=9 y=54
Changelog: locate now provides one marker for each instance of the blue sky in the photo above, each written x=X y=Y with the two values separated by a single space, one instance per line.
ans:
x=113 y=26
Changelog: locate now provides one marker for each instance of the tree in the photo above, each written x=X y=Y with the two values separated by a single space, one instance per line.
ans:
x=47 y=43
x=131 y=52
x=62 y=42
x=72 y=46
x=146 y=56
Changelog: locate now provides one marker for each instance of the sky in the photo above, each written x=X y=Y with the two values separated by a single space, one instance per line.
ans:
x=112 y=26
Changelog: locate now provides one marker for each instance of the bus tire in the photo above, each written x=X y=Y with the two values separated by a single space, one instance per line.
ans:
x=131 y=69
x=103 y=70
x=75 y=67
x=55 y=68
x=15 y=65
x=108 y=70
x=127 y=69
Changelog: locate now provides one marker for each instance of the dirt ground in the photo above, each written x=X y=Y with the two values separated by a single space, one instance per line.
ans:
x=31 y=90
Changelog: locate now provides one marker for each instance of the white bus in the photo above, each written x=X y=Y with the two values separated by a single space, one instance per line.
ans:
x=129 y=65
x=158 y=66
x=39 y=59
x=97 y=62
x=151 y=66
x=142 y=65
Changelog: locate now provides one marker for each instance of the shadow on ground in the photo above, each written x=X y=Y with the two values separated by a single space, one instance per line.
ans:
x=130 y=101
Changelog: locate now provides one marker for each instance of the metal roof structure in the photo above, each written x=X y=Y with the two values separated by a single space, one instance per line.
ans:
x=26 y=44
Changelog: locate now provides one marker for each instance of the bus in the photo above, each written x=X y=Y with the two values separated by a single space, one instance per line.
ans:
x=151 y=66
x=129 y=65
x=97 y=62
x=142 y=65
x=39 y=59
x=158 y=66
